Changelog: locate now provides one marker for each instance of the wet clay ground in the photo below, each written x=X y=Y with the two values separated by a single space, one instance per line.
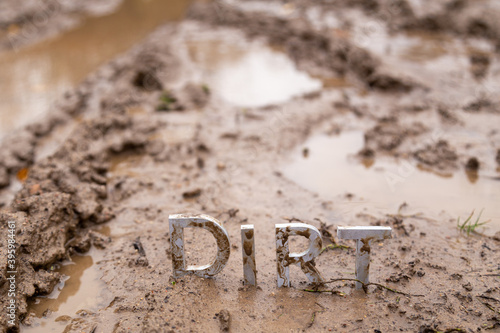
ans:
x=333 y=113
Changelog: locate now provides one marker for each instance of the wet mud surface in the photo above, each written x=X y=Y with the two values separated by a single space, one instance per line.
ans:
x=332 y=113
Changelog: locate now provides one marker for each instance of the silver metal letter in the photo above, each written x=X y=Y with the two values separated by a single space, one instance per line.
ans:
x=177 y=225
x=248 y=251
x=305 y=259
x=364 y=237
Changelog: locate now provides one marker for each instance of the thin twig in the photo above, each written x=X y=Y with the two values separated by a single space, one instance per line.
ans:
x=334 y=246
x=321 y=306
x=490 y=307
x=489 y=298
x=313 y=316
x=292 y=219
x=336 y=292
x=370 y=284
x=414 y=216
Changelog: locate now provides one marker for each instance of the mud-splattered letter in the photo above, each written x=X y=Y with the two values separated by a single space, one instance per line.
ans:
x=248 y=251
x=305 y=259
x=177 y=225
x=364 y=237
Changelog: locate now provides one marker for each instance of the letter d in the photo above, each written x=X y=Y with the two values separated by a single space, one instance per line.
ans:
x=177 y=225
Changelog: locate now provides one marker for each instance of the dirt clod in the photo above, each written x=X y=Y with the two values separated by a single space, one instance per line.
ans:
x=224 y=320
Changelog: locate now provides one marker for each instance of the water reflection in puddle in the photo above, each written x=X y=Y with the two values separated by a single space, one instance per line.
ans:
x=250 y=75
x=80 y=289
x=331 y=170
x=33 y=77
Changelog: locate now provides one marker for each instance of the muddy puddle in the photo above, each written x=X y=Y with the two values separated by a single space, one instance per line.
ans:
x=331 y=169
x=80 y=290
x=32 y=78
x=252 y=75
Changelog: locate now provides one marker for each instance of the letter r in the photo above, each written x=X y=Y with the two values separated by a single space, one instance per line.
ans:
x=304 y=260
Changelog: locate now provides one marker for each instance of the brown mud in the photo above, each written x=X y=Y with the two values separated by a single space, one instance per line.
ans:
x=376 y=112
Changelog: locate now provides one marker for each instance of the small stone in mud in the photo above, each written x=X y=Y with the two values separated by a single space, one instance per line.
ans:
x=192 y=194
x=224 y=320
x=472 y=164
x=203 y=148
